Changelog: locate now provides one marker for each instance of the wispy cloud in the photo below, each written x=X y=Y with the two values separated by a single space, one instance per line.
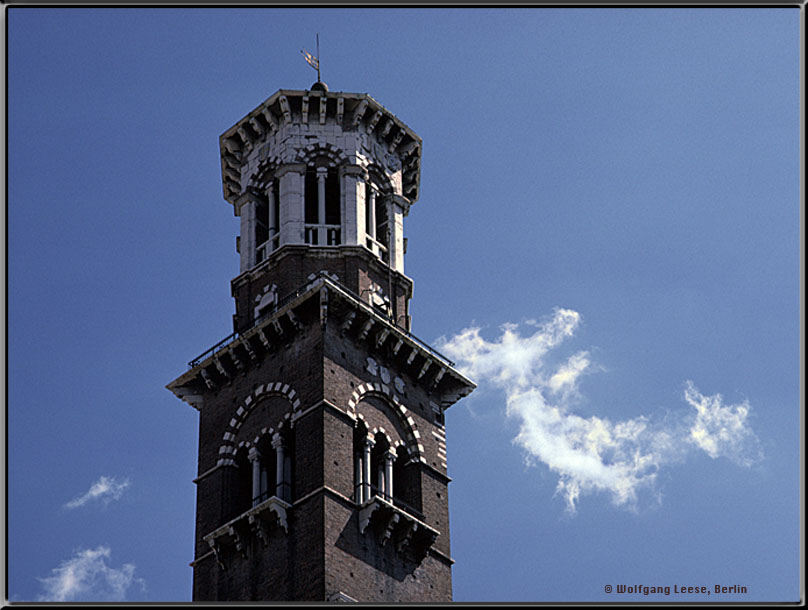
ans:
x=592 y=454
x=88 y=577
x=722 y=431
x=104 y=489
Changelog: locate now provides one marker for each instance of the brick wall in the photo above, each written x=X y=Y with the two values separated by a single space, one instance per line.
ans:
x=323 y=552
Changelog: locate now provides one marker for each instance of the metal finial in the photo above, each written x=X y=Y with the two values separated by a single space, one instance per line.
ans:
x=313 y=60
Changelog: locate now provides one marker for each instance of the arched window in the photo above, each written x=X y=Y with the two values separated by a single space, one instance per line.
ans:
x=322 y=215
x=267 y=222
x=382 y=471
x=381 y=460
x=241 y=492
x=363 y=445
x=406 y=491
x=264 y=471
x=377 y=219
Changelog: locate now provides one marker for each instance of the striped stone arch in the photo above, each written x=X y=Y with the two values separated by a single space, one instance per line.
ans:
x=413 y=441
x=379 y=177
x=228 y=447
x=379 y=431
x=268 y=431
x=260 y=178
x=334 y=155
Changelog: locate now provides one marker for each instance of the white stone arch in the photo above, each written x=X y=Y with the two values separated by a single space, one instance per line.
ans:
x=228 y=448
x=380 y=390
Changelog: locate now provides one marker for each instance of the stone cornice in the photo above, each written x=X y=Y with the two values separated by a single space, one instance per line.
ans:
x=206 y=369
x=352 y=111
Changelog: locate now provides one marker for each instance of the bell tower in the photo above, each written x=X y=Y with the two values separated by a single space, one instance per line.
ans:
x=322 y=448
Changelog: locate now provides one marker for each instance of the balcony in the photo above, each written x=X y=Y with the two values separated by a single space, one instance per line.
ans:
x=394 y=521
x=263 y=251
x=323 y=235
x=235 y=535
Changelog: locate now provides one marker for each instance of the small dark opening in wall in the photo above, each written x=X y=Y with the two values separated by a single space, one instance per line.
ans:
x=311 y=203
x=261 y=220
x=277 y=206
x=332 y=211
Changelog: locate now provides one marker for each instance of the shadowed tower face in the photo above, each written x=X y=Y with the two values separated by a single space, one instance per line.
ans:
x=322 y=449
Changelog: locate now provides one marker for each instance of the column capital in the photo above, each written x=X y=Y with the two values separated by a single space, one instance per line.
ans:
x=253 y=454
x=390 y=455
x=368 y=442
x=277 y=441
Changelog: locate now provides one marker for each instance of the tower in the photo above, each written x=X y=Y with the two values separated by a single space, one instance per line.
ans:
x=322 y=451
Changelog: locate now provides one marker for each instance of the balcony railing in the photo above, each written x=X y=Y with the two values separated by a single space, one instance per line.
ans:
x=290 y=297
x=282 y=491
x=375 y=492
x=263 y=251
x=323 y=235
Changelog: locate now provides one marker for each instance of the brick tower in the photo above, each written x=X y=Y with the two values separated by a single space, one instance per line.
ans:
x=322 y=451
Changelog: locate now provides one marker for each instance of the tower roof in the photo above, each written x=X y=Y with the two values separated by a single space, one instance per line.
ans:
x=311 y=112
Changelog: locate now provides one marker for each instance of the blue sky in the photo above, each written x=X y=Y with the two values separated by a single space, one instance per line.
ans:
x=607 y=239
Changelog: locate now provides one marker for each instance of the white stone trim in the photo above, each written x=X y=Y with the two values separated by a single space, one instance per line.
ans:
x=243 y=410
x=383 y=391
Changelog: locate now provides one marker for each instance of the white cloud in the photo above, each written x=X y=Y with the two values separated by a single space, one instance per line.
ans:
x=104 y=489
x=564 y=380
x=592 y=454
x=87 y=577
x=722 y=430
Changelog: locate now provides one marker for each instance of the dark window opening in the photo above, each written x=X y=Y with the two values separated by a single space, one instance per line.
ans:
x=261 y=222
x=312 y=203
x=332 y=198
x=377 y=226
x=322 y=213
x=267 y=223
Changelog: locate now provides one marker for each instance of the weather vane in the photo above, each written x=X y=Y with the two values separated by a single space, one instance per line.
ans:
x=313 y=60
